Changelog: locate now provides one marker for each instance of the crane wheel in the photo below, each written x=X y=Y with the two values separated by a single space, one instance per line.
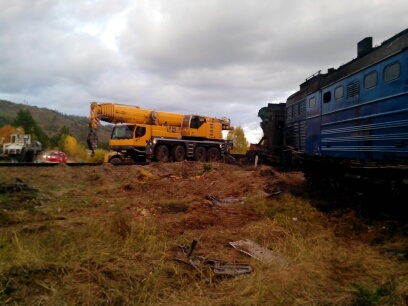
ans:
x=178 y=153
x=200 y=154
x=115 y=161
x=213 y=155
x=162 y=153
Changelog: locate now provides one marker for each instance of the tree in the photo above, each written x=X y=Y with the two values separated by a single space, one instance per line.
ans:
x=71 y=146
x=58 y=140
x=4 y=121
x=27 y=122
x=77 y=152
x=6 y=131
x=40 y=136
x=241 y=145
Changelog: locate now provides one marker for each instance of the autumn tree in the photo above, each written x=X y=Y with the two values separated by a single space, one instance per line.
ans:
x=7 y=130
x=71 y=146
x=241 y=145
x=78 y=152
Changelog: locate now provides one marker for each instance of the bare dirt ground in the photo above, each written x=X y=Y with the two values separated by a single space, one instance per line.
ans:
x=188 y=198
x=182 y=196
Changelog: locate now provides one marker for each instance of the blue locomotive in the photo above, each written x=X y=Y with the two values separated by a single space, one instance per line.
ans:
x=350 y=123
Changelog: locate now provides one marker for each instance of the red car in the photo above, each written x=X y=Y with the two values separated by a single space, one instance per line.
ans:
x=55 y=157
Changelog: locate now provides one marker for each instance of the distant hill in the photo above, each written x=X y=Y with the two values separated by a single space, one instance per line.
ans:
x=52 y=121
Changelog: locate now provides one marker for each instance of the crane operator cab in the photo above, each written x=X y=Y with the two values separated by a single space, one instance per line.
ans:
x=128 y=131
x=197 y=122
x=123 y=132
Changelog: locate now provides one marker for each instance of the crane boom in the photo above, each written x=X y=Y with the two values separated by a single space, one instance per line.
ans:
x=120 y=113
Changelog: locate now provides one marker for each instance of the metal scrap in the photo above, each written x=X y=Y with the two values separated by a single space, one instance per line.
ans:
x=217 y=266
x=224 y=201
x=256 y=251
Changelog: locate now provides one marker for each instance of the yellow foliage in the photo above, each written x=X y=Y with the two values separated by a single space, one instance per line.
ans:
x=78 y=152
x=8 y=130
x=237 y=135
x=145 y=175
x=97 y=158
x=70 y=145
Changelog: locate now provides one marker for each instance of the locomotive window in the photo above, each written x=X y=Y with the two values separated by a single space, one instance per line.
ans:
x=392 y=72
x=370 y=80
x=339 y=92
x=312 y=102
x=327 y=97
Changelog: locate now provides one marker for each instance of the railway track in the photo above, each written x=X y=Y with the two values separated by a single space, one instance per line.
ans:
x=46 y=164
x=55 y=164
x=236 y=157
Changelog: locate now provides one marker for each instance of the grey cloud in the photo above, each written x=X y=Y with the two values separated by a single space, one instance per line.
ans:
x=219 y=58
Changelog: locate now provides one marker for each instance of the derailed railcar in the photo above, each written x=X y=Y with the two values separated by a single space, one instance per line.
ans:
x=351 y=123
x=271 y=147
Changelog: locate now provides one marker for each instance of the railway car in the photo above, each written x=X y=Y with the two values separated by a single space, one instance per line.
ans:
x=347 y=128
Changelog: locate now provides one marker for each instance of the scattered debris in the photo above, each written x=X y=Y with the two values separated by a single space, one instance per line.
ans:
x=213 y=200
x=218 y=267
x=255 y=250
x=399 y=254
x=225 y=201
x=273 y=194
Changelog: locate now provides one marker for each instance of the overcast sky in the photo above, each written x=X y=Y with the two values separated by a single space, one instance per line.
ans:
x=225 y=58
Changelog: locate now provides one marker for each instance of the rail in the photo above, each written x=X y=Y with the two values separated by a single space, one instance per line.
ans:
x=55 y=164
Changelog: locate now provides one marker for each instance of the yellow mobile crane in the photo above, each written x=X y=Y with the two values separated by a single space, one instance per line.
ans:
x=143 y=135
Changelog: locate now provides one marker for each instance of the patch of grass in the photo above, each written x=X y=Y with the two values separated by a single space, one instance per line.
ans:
x=145 y=176
x=69 y=187
x=112 y=263
x=94 y=177
x=174 y=206
x=66 y=252
x=19 y=200
x=365 y=296
x=285 y=206
x=322 y=266
x=207 y=166
x=65 y=204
